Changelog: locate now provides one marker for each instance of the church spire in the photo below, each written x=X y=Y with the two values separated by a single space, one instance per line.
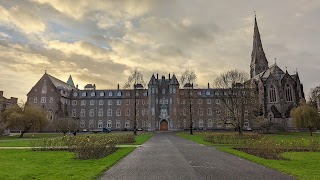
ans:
x=259 y=62
x=70 y=81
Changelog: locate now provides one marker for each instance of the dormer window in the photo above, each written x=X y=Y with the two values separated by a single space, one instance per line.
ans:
x=93 y=94
x=208 y=93
x=102 y=94
x=110 y=93
x=199 y=93
x=75 y=94
x=84 y=94
x=119 y=93
x=127 y=94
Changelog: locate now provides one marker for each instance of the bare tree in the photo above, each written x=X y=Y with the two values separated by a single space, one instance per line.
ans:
x=134 y=81
x=25 y=117
x=187 y=79
x=239 y=97
x=66 y=124
x=314 y=97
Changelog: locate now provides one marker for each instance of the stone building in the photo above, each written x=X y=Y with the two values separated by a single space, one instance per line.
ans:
x=5 y=104
x=163 y=104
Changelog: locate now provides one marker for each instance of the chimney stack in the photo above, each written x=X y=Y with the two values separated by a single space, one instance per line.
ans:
x=208 y=86
x=169 y=76
x=157 y=76
x=118 y=86
x=94 y=86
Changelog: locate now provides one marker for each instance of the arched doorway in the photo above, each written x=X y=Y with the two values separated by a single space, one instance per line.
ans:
x=163 y=125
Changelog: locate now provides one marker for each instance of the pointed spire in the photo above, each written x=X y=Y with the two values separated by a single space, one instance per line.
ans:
x=259 y=62
x=70 y=81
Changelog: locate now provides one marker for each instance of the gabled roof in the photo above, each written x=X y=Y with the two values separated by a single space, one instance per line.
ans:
x=274 y=70
x=152 y=80
x=174 y=80
x=60 y=84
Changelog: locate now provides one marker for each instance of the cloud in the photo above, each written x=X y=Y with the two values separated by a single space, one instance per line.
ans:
x=23 y=19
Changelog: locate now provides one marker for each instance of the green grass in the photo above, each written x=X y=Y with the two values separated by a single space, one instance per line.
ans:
x=303 y=165
x=27 y=164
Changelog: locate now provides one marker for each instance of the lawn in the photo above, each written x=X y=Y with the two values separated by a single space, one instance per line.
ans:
x=28 y=164
x=303 y=165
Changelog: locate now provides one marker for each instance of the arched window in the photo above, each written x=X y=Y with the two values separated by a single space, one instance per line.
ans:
x=272 y=94
x=288 y=91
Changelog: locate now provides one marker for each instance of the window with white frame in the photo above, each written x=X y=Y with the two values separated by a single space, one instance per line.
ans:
x=209 y=111
x=73 y=113
x=50 y=115
x=174 y=90
x=35 y=100
x=100 y=102
x=100 y=124
x=119 y=93
x=200 y=123
x=208 y=93
x=93 y=94
x=199 y=101
x=127 y=124
x=109 y=112
x=100 y=112
x=109 y=124
x=91 y=112
x=218 y=111
x=127 y=112
x=91 y=124
x=152 y=111
x=152 y=90
x=44 y=89
x=219 y=124
x=75 y=94
x=118 y=124
x=82 y=123
x=84 y=94
x=163 y=91
x=118 y=101
x=74 y=102
x=118 y=112
x=217 y=101
x=83 y=102
x=208 y=101
x=110 y=93
x=200 y=112
x=101 y=94
x=143 y=112
x=50 y=99
x=128 y=101
x=83 y=113
x=109 y=102
x=43 y=99
x=91 y=102
x=199 y=93
x=210 y=123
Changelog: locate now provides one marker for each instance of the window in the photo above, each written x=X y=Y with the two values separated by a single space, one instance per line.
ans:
x=170 y=100
x=199 y=93
x=200 y=123
x=118 y=101
x=170 y=90
x=199 y=101
x=35 y=99
x=208 y=93
x=91 y=124
x=50 y=99
x=127 y=112
x=91 y=102
x=152 y=90
x=74 y=102
x=128 y=94
x=84 y=94
x=100 y=124
x=174 y=90
x=43 y=99
x=82 y=124
x=91 y=112
x=217 y=93
x=93 y=94
x=50 y=115
x=83 y=102
x=208 y=101
x=75 y=94
x=218 y=111
x=119 y=93
x=127 y=124
x=109 y=112
x=209 y=111
x=152 y=111
x=118 y=112
x=288 y=91
x=44 y=89
x=163 y=91
x=83 y=113
x=128 y=101
x=272 y=94
x=217 y=101
x=109 y=102
x=100 y=102
x=110 y=93
x=73 y=114
x=210 y=123
x=100 y=112
x=101 y=93
x=118 y=124
x=200 y=112
x=109 y=124
x=219 y=124
x=143 y=112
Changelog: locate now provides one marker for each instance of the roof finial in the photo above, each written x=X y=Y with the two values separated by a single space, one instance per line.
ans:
x=275 y=61
x=255 y=14
x=45 y=71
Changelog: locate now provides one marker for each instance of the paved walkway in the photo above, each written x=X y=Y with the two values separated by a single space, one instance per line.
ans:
x=167 y=156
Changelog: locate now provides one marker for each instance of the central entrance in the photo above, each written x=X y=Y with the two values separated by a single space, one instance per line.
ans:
x=163 y=125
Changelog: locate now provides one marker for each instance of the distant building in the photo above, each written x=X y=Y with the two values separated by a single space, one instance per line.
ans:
x=5 y=104
x=161 y=105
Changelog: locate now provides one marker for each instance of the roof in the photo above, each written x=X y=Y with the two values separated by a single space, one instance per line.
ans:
x=60 y=84
x=88 y=86
x=274 y=70
x=70 y=81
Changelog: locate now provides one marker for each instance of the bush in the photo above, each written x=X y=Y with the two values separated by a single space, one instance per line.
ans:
x=47 y=144
x=96 y=146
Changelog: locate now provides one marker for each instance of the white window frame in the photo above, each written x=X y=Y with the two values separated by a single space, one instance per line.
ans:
x=101 y=102
x=43 y=99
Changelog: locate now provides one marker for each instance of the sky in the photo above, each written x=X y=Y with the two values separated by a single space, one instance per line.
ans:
x=101 y=42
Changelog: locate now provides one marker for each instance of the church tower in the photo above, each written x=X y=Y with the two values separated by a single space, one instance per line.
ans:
x=259 y=62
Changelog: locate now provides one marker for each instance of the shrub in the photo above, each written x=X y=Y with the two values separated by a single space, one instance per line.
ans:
x=47 y=144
